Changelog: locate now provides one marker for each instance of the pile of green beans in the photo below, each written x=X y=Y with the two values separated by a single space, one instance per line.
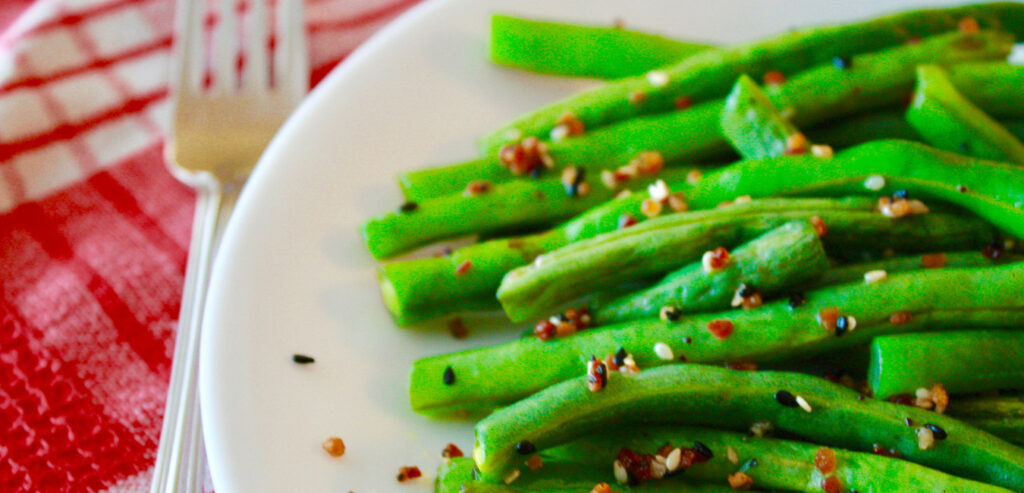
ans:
x=871 y=224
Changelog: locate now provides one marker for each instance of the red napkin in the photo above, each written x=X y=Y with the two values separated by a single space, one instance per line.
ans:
x=94 y=232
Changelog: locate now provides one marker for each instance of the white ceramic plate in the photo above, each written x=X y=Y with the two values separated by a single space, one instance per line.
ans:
x=292 y=275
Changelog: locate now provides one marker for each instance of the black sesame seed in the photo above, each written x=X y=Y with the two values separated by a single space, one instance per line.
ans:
x=842 y=63
x=620 y=356
x=753 y=462
x=302 y=359
x=939 y=433
x=747 y=290
x=672 y=313
x=602 y=372
x=961 y=189
x=572 y=189
x=703 y=450
x=797 y=299
x=525 y=448
x=861 y=397
x=535 y=172
x=908 y=421
x=964 y=147
x=688 y=340
x=901 y=194
x=993 y=251
x=409 y=207
x=580 y=175
x=449 y=375
x=842 y=324
x=563 y=317
x=785 y=398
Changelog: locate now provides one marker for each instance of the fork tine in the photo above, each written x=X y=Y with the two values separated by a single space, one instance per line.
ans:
x=256 y=73
x=187 y=67
x=291 y=66
x=226 y=53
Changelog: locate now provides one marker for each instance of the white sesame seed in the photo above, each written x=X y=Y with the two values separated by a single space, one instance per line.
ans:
x=822 y=151
x=706 y=262
x=560 y=132
x=874 y=183
x=663 y=351
x=917 y=207
x=730 y=453
x=874 y=276
x=513 y=134
x=512 y=476
x=742 y=199
x=787 y=112
x=657 y=78
x=851 y=323
x=925 y=438
x=800 y=401
x=620 y=472
x=672 y=461
x=659 y=190
x=624 y=194
x=923 y=393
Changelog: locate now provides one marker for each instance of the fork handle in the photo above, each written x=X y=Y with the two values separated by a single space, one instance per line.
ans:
x=179 y=461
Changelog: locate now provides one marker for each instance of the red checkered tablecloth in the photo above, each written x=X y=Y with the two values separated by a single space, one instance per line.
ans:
x=94 y=231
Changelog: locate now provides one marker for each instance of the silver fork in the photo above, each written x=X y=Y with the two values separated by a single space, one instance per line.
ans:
x=217 y=134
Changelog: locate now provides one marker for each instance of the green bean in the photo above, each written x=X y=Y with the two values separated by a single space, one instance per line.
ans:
x=582 y=51
x=709 y=75
x=947 y=120
x=934 y=299
x=752 y=125
x=709 y=396
x=496 y=209
x=782 y=258
x=887 y=123
x=963 y=362
x=993 y=87
x=991 y=190
x=1000 y=416
x=855 y=272
x=772 y=463
x=417 y=290
x=821 y=93
x=558 y=477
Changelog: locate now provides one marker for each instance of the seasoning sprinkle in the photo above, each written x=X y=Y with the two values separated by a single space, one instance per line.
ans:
x=797 y=299
x=874 y=276
x=621 y=475
x=703 y=450
x=334 y=446
x=463 y=267
x=822 y=151
x=657 y=78
x=740 y=481
x=673 y=459
x=800 y=401
x=900 y=318
x=874 y=183
x=670 y=313
x=408 y=472
x=302 y=359
x=730 y=453
x=786 y=398
x=663 y=351
x=449 y=375
x=535 y=463
x=601 y=488
x=721 y=328
x=715 y=260
x=825 y=460
x=925 y=438
x=937 y=431
x=451 y=451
